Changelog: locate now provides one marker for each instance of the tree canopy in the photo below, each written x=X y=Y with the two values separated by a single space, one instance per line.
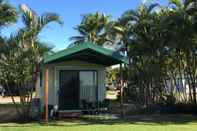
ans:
x=21 y=59
x=92 y=28
x=161 y=42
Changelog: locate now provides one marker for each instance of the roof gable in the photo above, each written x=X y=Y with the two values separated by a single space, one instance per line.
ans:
x=87 y=52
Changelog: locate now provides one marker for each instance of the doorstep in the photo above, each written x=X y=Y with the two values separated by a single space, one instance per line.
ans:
x=69 y=113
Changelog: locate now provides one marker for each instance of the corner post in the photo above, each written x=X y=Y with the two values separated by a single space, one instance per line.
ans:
x=121 y=91
x=46 y=90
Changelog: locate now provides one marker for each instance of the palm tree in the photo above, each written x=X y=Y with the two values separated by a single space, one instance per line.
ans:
x=92 y=28
x=25 y=52
x=28 y=36
x=136 y=30
x=182 y=16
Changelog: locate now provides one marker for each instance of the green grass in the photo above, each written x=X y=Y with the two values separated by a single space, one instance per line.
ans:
x=134 y=123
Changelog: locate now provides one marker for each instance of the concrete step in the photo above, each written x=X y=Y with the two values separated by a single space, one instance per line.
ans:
x=69 y=114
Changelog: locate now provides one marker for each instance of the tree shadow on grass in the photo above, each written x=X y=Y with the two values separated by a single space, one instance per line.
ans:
x=153 y=120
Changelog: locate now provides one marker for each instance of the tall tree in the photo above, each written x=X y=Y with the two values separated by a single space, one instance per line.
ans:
x=183 y=40
x=92 y=28
x=162 y=47
x=139 y=38
x=25 y=52
x=28 y=36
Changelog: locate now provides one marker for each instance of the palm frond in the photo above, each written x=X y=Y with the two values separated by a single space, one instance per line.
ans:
x=130 y=15
x=8 y=13
x=151 y=7
x=29 y=16
x=48 y=18
x=35 y=23
x=119 y=29
x=176 y=3
x=77 y=38
x=81 y=30
x=43 y=47
x=191 y=6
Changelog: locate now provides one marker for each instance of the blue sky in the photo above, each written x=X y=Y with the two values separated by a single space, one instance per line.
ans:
x=70 y=12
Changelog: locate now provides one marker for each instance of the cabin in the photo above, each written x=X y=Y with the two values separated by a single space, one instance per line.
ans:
x=75 y=76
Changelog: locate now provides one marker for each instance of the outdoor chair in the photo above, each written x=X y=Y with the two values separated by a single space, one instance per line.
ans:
x=103 y=107
x=88 y=107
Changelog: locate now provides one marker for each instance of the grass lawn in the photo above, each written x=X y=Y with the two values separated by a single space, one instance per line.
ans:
x=134 y=123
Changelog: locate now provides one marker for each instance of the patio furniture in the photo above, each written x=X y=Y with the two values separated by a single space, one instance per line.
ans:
x=103 y=107
x=88 y=107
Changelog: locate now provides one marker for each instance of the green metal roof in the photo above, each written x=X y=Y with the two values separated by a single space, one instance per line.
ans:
x=87 y=52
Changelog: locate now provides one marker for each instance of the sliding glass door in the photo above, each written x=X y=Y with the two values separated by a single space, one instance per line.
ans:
x=76 y=86
x=88 y=86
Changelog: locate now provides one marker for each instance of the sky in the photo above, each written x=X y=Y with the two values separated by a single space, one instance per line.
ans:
x=70 y=12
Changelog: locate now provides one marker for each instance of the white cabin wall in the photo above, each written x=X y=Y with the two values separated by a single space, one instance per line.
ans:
x=70 y=65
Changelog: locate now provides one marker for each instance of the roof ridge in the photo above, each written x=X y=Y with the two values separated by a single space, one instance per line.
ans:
x=83 y=46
